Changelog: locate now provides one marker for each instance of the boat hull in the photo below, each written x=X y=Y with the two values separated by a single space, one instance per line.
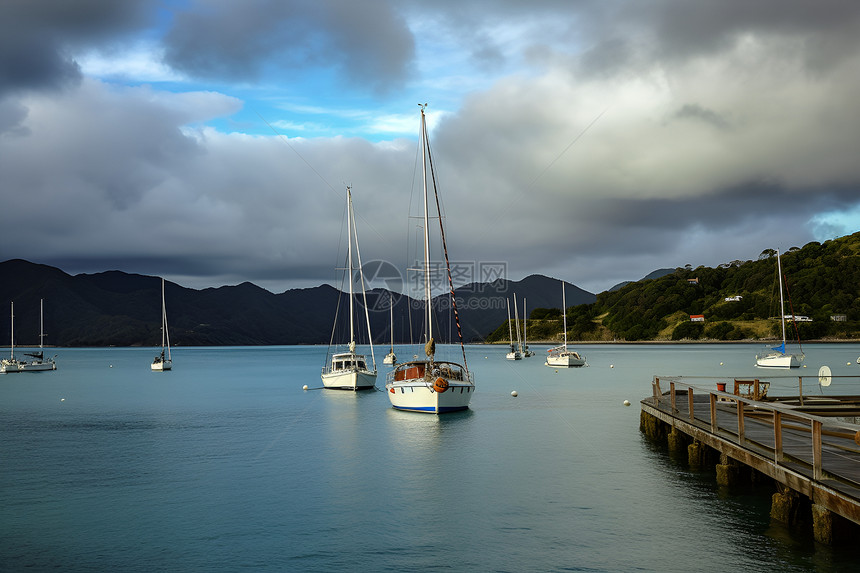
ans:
x=419 y=396
x=38 y=366
x=162 y=365
x=10 y=366
x=389 y=359
x=514 y=356
x=349 y=380
x=431 y=388
x=565 y=360
x=778 y=360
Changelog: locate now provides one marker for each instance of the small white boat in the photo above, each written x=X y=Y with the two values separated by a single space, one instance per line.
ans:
x=514 y=354
x=348 y=370
x=163 y=361
x=776 y=357
x=561 y=356
x=11 y=364
x=431 y=386
x=391 y=358
x=38 y=363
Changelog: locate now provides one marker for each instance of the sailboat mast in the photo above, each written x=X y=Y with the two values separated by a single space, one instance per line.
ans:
x=427 y=293
x=363 y=290
x=517 y=322
x=781 y=303
x=41 y=322
x=564 y=314
x=349 y=262
x=166 y=330
x=12 y=340
x=391 y=313
x=510 y=328
x=525 y=326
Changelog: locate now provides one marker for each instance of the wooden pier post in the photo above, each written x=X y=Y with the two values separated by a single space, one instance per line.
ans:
x=700 y=456
x=678 y=441
x=784 y=505
x=822 y=524
x=727 y=471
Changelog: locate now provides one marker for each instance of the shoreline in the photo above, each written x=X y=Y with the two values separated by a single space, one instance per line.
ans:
x=641 y=342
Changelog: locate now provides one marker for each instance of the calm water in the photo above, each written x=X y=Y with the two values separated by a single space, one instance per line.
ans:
x=225 y=464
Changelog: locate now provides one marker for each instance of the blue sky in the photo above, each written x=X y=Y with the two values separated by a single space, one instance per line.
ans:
x=210 y=141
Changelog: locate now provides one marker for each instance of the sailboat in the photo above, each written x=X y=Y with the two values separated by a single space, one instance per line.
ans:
x=430 y=385
x=515 y=353
x=776 y=357
x=348 y=370
x=560 y=356
x=38 y=364
x=163 y=361
x=11 y=364
x=391 y=358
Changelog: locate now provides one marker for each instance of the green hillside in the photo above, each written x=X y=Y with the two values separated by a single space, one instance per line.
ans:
x=822 y=281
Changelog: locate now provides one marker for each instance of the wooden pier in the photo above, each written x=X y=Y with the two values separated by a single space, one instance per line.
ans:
x=809 y=445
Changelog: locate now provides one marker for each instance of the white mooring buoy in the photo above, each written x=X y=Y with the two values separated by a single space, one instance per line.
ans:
x=305 y=387
x=514 y=393
x=626 y=402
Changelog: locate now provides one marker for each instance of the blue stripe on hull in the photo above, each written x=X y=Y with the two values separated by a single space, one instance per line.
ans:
x=428 y=410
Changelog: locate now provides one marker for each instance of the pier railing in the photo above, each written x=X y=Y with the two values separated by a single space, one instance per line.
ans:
x=816 y=436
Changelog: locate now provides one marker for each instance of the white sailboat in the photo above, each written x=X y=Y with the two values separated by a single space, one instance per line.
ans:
x=430 y=385
x=11 y=364
x=38 y=362
x=391 y=358
x=515 y=353
x=163 y=361
x=776 y=357
x=348 y=370
x=560 y=356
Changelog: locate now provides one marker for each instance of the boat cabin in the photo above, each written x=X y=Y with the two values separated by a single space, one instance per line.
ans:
x=413 y=370
x=348 y=362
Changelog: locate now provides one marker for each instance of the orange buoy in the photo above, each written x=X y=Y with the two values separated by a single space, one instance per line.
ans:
x=440 y=385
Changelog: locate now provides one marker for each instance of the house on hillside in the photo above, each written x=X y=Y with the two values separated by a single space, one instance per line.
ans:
x=839 y=317
x=697 y=318
x=694 y=281
x=736 y=298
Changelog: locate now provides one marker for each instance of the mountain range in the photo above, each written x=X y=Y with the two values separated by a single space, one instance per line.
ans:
x=115 y=308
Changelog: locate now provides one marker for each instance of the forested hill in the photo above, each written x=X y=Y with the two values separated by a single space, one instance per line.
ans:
x=822 y=281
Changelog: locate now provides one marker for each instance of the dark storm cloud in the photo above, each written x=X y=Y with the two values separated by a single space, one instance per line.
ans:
x=595 y=140
x=367 y=42
x=626 y=34
x=38 y=38
x=691 y=28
